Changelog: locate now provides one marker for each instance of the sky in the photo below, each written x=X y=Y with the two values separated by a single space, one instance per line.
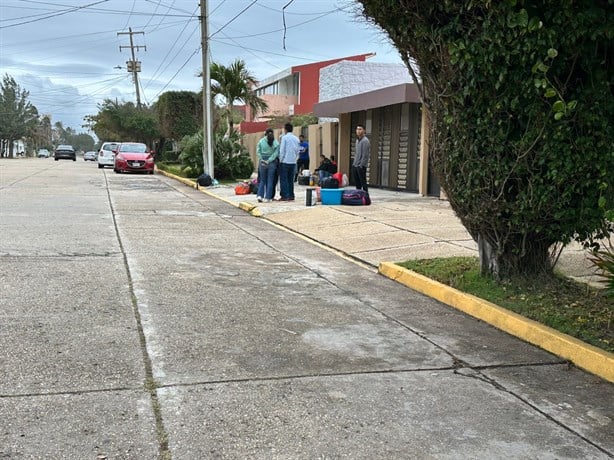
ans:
x=67 y=54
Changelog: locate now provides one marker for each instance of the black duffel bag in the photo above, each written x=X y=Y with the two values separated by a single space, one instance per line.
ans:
x=329 y=182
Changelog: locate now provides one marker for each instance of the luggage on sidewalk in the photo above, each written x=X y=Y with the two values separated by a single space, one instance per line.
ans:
x=329 y=182
x=355 y=198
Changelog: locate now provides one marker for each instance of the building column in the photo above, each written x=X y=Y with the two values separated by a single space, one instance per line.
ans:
x=345 y=130
x=423 y=174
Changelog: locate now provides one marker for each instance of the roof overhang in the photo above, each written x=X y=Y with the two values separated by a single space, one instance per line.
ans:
x=273 y=78
x=398 y=94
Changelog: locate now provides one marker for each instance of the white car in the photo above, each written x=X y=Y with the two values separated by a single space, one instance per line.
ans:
x=90 y=155
x=43 y=153
x=106 y=154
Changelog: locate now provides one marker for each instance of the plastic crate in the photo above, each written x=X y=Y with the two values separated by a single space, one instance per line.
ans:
x=331 y=195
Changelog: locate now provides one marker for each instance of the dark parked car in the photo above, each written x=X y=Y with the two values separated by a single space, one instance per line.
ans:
x=65 y=152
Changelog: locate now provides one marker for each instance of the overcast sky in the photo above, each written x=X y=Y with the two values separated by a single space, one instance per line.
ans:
x=66 y=53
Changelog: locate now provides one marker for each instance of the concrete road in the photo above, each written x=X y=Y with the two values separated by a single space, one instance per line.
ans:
x=141 y=319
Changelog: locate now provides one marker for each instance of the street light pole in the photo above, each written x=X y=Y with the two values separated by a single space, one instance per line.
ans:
x=207 y=134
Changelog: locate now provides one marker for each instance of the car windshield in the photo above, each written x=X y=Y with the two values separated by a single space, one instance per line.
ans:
x=109 y=147
x=136 y=148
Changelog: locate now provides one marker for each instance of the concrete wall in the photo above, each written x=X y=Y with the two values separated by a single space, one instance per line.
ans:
x=278 y=105
x=321 y=138
x=347 y=78
x=336 y=138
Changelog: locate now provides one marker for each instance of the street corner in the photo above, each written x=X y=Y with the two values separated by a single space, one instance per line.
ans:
x=583 y=355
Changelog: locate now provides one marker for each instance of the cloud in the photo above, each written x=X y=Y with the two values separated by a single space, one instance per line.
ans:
x=67 y=56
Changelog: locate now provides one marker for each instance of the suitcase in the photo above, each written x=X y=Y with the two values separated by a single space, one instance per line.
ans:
x=303 y=180
x=355 y=198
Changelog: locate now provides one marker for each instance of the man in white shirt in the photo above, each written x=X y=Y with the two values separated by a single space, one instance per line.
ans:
x=288 y=154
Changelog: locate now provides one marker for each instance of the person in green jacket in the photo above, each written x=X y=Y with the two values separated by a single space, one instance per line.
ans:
x=267 y=152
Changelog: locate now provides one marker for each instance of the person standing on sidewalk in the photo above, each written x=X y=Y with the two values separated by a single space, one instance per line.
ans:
x=267 y=152
x=303 y=157
x=361 y=159
x=288 y=154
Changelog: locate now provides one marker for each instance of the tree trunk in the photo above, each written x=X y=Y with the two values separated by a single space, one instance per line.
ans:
x=489 y=265
x=503 y=263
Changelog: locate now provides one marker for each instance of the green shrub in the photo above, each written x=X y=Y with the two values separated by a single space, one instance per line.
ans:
x=604 y=260
x=231 y=159
x=191 y=155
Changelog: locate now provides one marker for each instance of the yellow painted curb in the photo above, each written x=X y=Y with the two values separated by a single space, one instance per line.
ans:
x=583 y=355
x=192 y=183
x=184 y=180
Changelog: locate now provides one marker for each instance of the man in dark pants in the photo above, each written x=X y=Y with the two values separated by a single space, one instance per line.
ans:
x=361 y=159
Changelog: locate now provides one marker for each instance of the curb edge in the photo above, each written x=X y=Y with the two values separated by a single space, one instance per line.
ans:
x=583 y=355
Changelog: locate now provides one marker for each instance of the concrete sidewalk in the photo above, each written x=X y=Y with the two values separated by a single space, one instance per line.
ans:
x=397 y=226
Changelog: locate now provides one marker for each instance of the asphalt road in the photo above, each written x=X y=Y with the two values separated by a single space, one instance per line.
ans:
x=141 y=319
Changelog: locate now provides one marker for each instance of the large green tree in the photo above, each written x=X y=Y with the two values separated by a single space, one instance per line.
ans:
x=124 y=122
x=234 y=83
x=180 y=113
x=18 y=117
x=520 y=105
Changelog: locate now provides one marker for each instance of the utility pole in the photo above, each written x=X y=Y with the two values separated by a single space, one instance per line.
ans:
x=133 y=66
x=207 y=143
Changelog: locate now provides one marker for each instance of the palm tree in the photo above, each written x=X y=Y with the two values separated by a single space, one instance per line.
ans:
x=234 y=83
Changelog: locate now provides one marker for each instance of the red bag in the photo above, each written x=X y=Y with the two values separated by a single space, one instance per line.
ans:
x=339 y=177
x=242 y=189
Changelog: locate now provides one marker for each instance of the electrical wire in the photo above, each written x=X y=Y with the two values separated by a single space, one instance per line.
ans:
x=61 y=13
x=155 y=73
x=233 y=19
x=178 y=70
x=129 y=15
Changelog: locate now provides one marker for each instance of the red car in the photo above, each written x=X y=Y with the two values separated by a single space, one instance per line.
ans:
x=133 y=157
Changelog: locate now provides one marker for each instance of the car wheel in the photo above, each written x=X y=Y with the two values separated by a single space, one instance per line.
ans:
x=56 y=159
x=100 y=166
x=116 y=171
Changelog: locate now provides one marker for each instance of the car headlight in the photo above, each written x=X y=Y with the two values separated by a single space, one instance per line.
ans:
x=119 y=156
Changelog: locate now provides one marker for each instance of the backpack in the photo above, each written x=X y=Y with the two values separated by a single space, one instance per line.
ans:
x=242 y=188
x=355 y=198
x=329 y=182
x=204 y=180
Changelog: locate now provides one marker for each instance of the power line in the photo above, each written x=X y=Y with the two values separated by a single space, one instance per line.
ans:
x=170 y=49
x=178 y=70
x=233 y=19
x=61 y=13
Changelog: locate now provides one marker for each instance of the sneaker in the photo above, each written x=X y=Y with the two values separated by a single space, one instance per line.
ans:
x=267 y=200
x=259 y=199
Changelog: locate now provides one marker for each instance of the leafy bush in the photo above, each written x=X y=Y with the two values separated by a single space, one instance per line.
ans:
x=231 y=159
x=191 y=155
x=604 y=260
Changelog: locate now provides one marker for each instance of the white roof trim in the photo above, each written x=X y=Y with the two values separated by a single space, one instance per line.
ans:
x=272 y=79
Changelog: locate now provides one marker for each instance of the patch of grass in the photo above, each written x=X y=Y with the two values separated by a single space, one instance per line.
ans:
x=176 y=169
x=563 y=304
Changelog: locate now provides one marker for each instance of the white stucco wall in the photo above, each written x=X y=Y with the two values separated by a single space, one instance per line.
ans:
x=347 y=78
